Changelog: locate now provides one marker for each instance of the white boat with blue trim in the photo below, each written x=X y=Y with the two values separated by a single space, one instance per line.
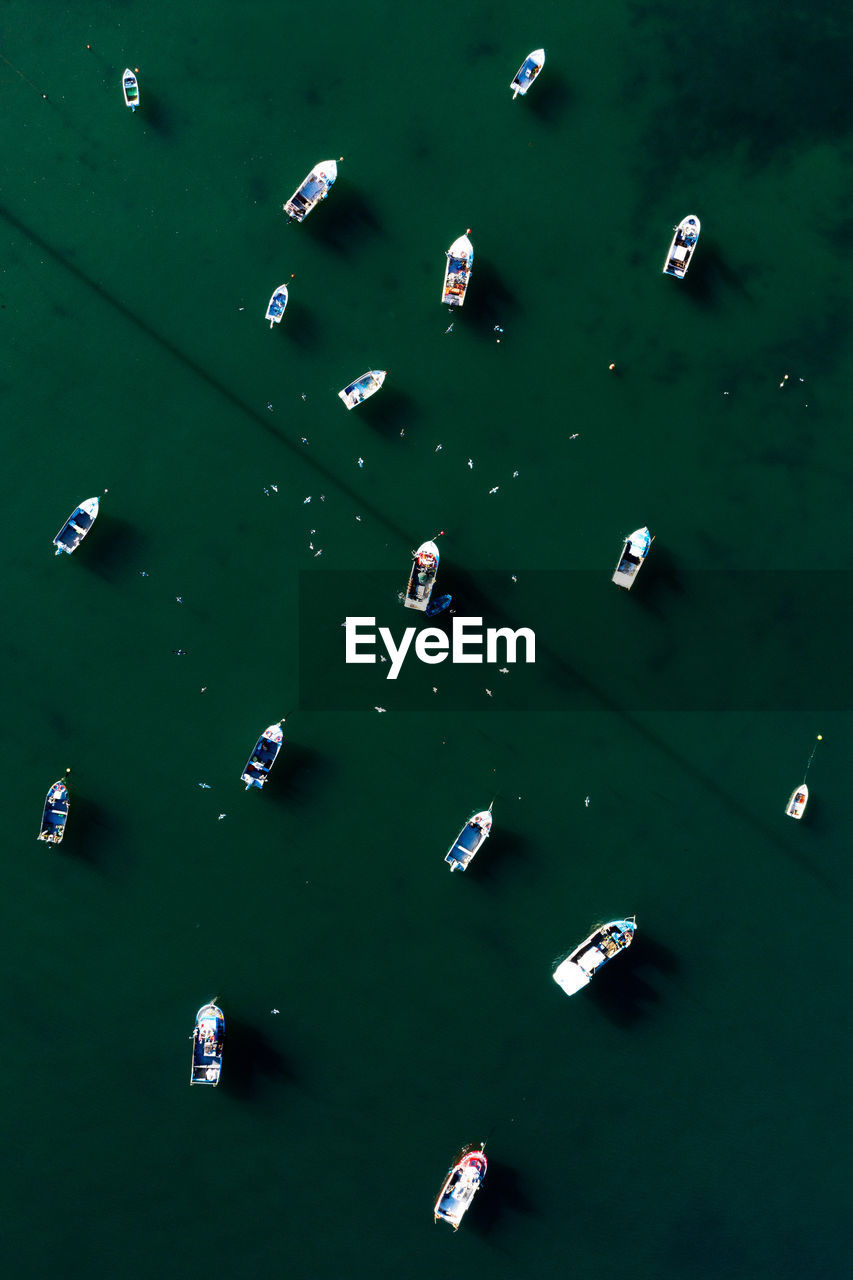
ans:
x=55 y=813
x=76 y=527
x=422 y=578
x=578 y=969
x=315 y=188
x=460 y=259
x=527 y=73
x=208 y=1044
x=277 y=305
x=264 y=756
x=130 y=89
x=363 y=388
x=681 y=250
x=462 y=1183
x=634 y=551
x=470 y=840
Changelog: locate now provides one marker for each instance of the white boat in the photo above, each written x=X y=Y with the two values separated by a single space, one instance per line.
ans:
x=277 y=305
x=208 y=1042
x=315 y=188
x=76 y=527
x=634 y=551
x=797 y=804
x=527 y=73
x=264 y=756
x=130 y=89
x=363 y=388
x=681 y=249
x=470 y=840
x=460 y=259
x=577 y=970
x=460 y=1186
x=422 y=578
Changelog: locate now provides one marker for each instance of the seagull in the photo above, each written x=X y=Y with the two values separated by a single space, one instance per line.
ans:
x=305 y=501
x=222 y=815
x=497 y=486
x=586 y=802
x=205 y=786
x=380 y=709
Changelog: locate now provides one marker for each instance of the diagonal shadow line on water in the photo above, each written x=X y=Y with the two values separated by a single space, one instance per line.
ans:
x=605 y=702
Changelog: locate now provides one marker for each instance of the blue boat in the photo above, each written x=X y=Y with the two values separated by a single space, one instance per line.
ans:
x=472 y=837
x=76 y=527
x=316 y=187
x=55 y=814
x=277 y=305
x=264 y=756
x=527 y=73
x=208 y=1042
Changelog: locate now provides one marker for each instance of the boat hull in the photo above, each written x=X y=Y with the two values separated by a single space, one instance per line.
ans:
x=527 y=73
x=681 y=249
x=208 y=1044
x=277 y=305
x=130 y=89
x=309 y=193
x=457 y=275
x=76 y=527
x=634 y=551
x=55 y=814
x=470 y=841
x=263 y=757
x=797 y=804
x=363 y=388
x=579 y=968
x=462 y=1183
x=422 y=578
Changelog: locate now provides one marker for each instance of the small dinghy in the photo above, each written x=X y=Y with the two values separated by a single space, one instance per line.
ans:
x=263 y=757
x=438 y=605
x=363 y=388
x=130 y=88
x=471 y=838
x=277 y=305
x=462 y=1183
x=576 y=970
x=208 y=1041
x=634 y=552
x=76 y=527
x=797 y=804
x=681 y=249
x=422 y=577
x=527 y=73
x=460 y=259
x=55 y=814
x=315 y=188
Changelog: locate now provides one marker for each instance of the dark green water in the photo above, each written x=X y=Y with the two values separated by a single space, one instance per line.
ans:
x=687 y=1116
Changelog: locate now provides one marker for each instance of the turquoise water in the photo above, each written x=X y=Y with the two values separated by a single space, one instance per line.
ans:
x=685 y=1116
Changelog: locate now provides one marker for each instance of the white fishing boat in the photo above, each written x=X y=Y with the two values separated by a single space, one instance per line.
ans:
x=130 y=89
x=470 y=840
x=577 y=970
x=799 y=799
x=315 y=188
x=55 y=814
x=460 y=259
x=264 y=756
x=527 y=73
x=76 y=527
x=681 y=249
x=422 y=578
x=208 y=1042
x=634 y=551
x=363 y=388
x=277 y=305
x=462 y=1183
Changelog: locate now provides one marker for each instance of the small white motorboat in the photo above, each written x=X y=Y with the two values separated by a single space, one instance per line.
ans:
x=577 y=970
x=130 y=89
x=527 y=73
x=76 y=527
x=277 y=305
x=363 y=388
x=460 y=1186
x=422 y=578
x=471 y=838
x=315 y=188
x=681 y=249
x=797 y=804
x=264 y=756
x=460 y=259
x=634 y=551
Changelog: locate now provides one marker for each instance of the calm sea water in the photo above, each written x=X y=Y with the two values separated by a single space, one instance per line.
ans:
x=687 y=1115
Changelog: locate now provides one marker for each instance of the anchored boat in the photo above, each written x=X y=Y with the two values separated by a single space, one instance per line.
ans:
x=527 y=72
x=208 y=1041
x=422 y=577
x=363 y=388
x=277 y=305
x=681 y=249
x=76 y=527
x=797 y=804
x=634 y=551
x=576 y=970
x=315 y=188
x=470 y=840
x=55 y=814
x=263 y=757
x=460 y=259
x=462 y=1183
x=130 y=89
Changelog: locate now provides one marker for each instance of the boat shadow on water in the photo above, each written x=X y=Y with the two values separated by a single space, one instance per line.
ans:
x=112 y=546
x=621 y=991
x=300 y=776
x=503 y=1193
x=344 y=222
x=251 y=1060
x=660 y=580
x=299 y=325
x=550 y=98
x=390 y=411
x=489 y=302
x=503 y=855
x=89 y=835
